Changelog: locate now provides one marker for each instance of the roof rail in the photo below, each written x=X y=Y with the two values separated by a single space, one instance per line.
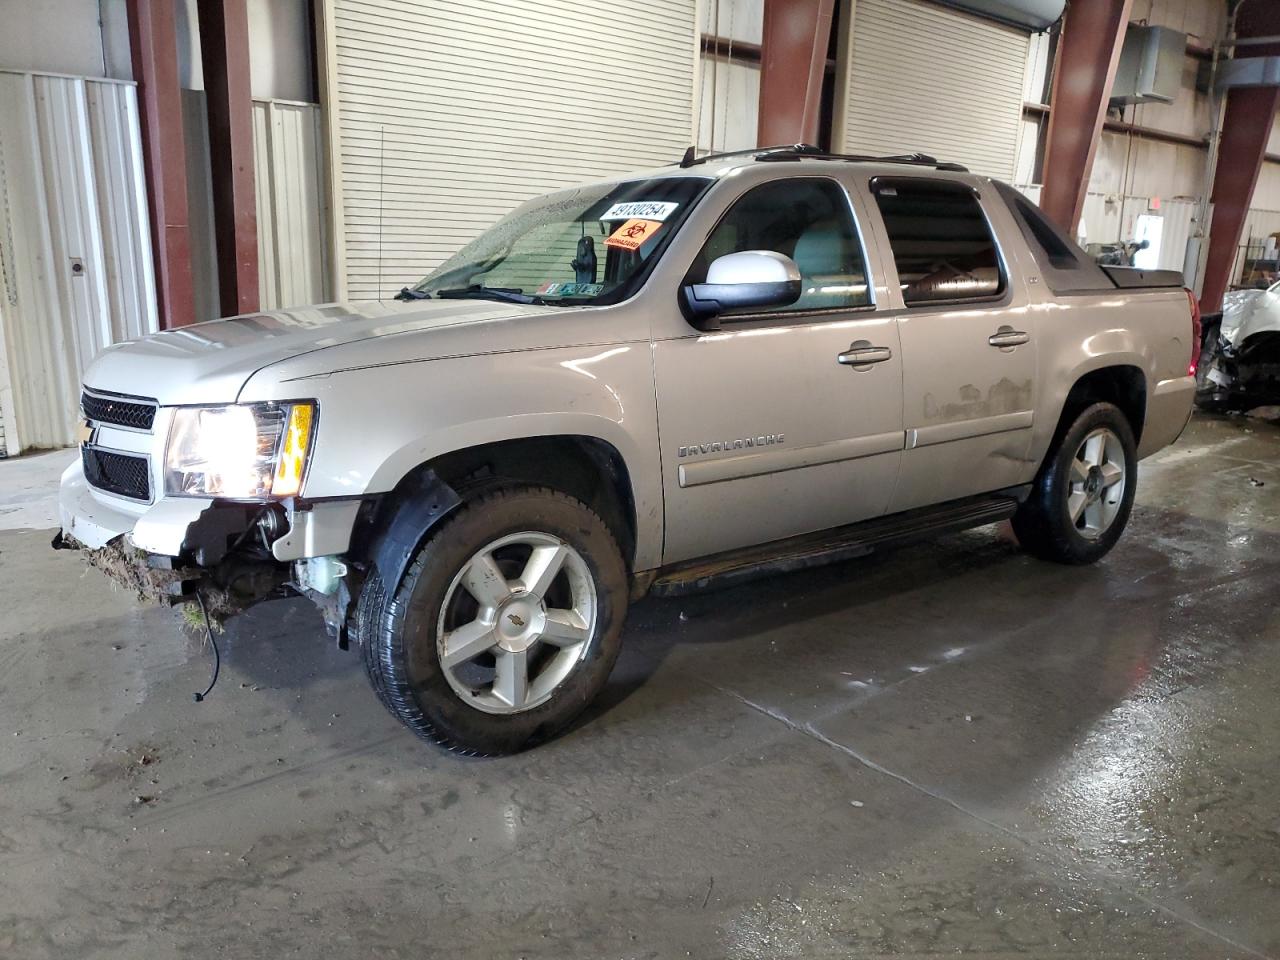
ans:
x=798 y=151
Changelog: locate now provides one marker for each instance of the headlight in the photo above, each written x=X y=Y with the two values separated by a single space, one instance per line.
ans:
x=239 y=451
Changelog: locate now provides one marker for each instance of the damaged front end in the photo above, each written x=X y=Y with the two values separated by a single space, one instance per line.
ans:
x=1239 y=366
x=200 y=506
x=229 y=566
x=1241 y=378
x=233 y=556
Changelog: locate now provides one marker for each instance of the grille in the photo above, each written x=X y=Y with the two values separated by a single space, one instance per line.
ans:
x=117 y=473
x=118 y=411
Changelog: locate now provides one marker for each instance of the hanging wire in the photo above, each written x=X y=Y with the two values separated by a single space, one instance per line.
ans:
x=217 y=657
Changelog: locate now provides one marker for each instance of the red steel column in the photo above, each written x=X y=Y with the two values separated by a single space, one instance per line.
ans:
x=154 y=47
x=1085 y=68
x=224 y=53
x=1246 y=126
x=793 y=58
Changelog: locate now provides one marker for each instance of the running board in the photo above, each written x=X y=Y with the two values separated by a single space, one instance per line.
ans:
x=829 y=546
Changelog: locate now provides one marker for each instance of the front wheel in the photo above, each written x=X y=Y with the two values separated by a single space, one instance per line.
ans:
x=1082 y=496
x=505 y=625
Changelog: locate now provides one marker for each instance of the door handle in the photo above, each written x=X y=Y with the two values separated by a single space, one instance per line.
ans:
x=861 y=353
x=1006 y=337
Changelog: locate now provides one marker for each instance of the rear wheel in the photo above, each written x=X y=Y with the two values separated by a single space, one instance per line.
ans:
x=1082 y=497
x=505 y=625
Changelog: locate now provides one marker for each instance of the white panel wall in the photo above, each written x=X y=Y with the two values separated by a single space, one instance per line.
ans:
x=920 y=77
x=729 y=99
x=290 y=187
x=737 y=19
x=82 y=37
x=729 y=109
x=71 y=194
x=451 y=113
x=1202 y=20
x=280 y=56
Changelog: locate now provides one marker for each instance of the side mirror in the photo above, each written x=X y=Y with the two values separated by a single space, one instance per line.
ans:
x=752 y=278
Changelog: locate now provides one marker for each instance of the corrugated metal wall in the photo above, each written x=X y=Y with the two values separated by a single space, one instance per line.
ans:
x=914 y=76
x=77 y=271
x=450 y=114
x=290 y=186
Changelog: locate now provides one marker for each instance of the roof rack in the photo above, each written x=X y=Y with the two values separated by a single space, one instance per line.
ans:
x=798 y=151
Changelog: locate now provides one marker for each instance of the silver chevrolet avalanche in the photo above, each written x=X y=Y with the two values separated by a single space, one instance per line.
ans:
x=656 y=383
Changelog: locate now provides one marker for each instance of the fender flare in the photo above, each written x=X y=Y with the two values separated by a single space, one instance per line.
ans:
x=429 y=502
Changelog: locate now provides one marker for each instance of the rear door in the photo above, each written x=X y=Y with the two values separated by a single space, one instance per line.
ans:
x=768 y=426
x=968 y=341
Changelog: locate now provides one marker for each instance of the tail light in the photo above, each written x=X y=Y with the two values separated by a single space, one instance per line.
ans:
x=1195 y=333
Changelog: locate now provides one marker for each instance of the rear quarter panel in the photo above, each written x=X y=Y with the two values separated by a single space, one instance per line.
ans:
x=1146 y=329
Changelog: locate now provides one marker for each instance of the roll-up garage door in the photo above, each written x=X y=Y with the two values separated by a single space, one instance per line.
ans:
x=452 y=113
x=917 y=77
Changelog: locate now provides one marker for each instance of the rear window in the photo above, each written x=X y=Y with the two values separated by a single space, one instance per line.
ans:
x=941 y=242
x=1065 y=266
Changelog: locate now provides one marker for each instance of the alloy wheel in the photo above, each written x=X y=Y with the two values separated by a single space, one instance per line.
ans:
x=1096 y=486
x=515 y=622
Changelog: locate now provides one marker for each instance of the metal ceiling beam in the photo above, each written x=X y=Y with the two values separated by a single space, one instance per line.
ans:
x=224 y=53
x=1084 y=71
x=1246 y=127
x=153 y=43
x=792 y=62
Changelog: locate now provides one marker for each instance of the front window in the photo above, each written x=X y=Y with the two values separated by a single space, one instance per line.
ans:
x=808 y=220
x=589 y=245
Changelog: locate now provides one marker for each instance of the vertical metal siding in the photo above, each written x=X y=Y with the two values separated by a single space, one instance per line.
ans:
x=121 y=191
x=451 y=114
x=289 y=182
x=915 y=76
x=71 y=190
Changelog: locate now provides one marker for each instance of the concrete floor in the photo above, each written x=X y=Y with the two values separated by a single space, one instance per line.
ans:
x=949 y=749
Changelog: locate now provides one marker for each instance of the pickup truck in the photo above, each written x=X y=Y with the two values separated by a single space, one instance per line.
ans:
x=656 y=383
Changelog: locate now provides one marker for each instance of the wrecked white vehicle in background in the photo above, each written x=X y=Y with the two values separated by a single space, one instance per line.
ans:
x=1240 y=360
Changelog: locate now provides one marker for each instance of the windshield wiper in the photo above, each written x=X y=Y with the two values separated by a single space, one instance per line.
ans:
x=478 y=292
x=415 y=294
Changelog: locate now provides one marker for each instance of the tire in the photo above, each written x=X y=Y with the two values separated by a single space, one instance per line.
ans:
x=1074 y=514
x=565 y=628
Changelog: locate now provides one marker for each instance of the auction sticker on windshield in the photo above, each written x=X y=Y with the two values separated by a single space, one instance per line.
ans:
x=657 y=210
x=632 y=234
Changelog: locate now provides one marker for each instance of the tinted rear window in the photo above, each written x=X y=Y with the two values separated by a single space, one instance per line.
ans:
x=941 y=242
x=1065 y=266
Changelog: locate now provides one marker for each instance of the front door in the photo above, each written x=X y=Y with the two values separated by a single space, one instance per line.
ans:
x=789 y=420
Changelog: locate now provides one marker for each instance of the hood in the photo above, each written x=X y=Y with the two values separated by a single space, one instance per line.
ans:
x=210 y=362
x=1246 y=312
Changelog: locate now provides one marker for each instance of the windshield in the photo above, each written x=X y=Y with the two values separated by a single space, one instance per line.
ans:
x=589 y=245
